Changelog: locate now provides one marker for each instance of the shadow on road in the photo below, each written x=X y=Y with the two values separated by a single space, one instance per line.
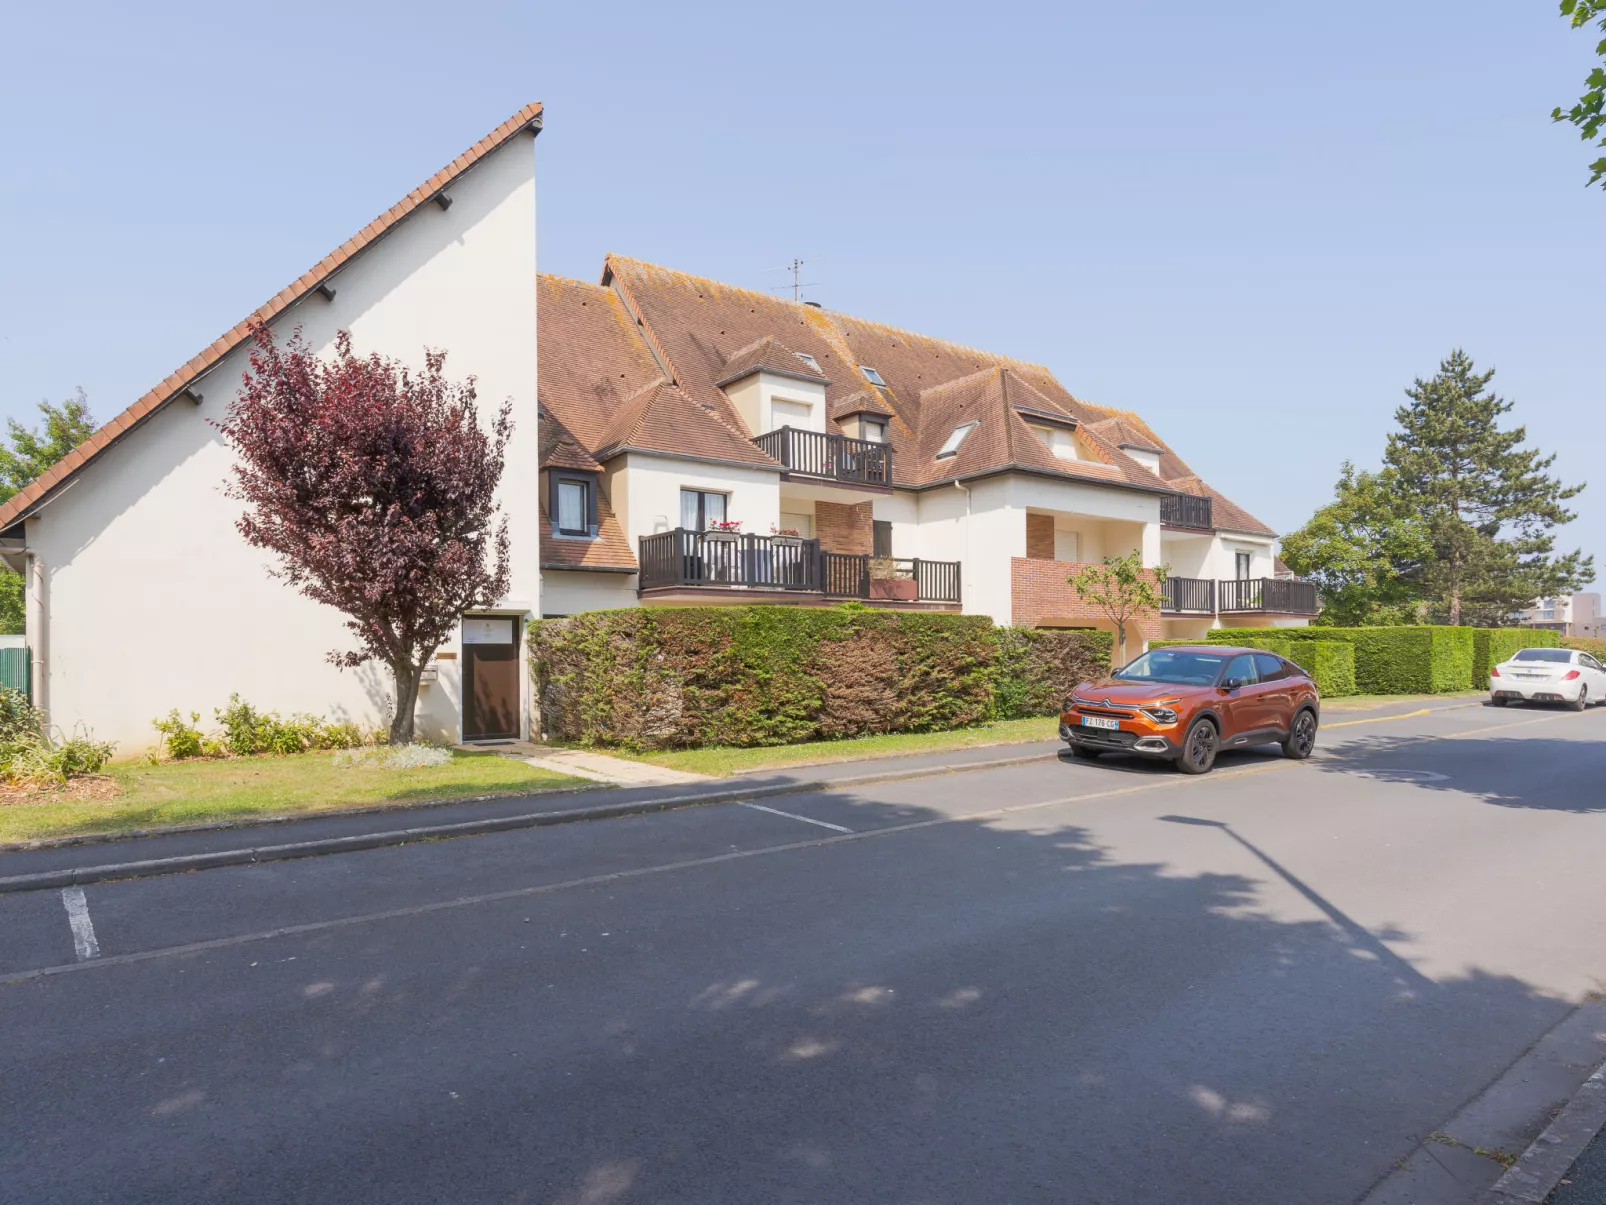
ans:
x=992 y=1011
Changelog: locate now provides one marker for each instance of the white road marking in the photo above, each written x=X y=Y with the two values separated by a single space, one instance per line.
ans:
x=83 y=929
x=759 y=807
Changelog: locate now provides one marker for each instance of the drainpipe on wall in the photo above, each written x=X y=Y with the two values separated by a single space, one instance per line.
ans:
x=34 y=626
x=965 y=570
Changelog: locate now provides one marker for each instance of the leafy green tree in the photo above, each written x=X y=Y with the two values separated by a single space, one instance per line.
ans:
x=33 y=451
x=1362 y=551
x=1589 y=114
x=30 y=453
x=1121 y=588
x=1487 y=503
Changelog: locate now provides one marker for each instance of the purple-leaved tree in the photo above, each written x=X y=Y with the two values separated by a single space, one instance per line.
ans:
x=375 y=488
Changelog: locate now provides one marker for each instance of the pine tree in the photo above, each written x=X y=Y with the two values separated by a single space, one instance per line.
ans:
x=1488 y=504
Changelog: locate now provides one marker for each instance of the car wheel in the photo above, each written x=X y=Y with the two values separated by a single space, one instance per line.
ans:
x=1085 y=753
x=1301 y=742
x=1199 y=748
x=1496 y=701
x=1582 y=701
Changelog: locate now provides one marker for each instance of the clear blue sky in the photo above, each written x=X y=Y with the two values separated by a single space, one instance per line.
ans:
x=1253 y=223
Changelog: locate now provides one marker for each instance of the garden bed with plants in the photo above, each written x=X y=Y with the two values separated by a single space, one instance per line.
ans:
x=254 y=765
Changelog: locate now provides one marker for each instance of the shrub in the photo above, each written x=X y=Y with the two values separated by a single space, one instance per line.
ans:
x=247 y=731
x=180 y=739
x=28 y=752
x=1491 y=646
x=1585 y=644
x=1419 y=659
x=767 y=675
x=1035 y=668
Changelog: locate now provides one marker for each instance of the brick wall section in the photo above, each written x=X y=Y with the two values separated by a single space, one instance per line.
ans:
x=847 y=529
x=1040 y=537
x=1039 y=592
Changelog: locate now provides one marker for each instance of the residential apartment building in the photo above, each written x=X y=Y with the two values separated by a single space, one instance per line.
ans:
x=1571 y=615
x=706 y=444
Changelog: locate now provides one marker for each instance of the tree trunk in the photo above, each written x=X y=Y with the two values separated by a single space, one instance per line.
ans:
x=1120 y=644
x=401 y=724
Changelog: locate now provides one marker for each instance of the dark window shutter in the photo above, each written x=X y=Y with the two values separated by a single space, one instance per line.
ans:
x=883 y=537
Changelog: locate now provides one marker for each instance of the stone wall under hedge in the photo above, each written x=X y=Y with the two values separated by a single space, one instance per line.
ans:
x=668 y=677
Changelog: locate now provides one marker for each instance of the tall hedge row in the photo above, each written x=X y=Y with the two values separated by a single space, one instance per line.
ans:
x=764 y=675
x=1584 y=644
x=1391 y=661
x=1491 y=646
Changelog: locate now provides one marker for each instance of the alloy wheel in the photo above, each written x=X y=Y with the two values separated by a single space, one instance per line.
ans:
x=1304 y=739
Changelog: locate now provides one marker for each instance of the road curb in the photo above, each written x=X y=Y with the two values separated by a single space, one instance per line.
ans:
x=71 y=876
x=1542 y=1166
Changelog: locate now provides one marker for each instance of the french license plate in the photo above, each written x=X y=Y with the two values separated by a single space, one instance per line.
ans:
x=1098 y=721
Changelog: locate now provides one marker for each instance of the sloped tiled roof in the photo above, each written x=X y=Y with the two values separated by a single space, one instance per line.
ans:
x=663 y=418
x=610 y=550
x=861 y=401
x=695 y=333
x=767 y=354
x=26 y=498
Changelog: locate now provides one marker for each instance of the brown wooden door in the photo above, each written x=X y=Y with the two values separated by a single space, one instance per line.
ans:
x=490 y=677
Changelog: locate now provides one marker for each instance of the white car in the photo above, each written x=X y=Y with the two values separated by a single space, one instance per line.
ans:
x=1549 y=676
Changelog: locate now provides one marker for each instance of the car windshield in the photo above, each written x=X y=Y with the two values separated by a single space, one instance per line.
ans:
x=1174 y=665
x=1544 y=655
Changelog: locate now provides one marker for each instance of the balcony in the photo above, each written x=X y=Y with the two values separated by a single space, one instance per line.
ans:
x=1185 y=510
x=684 y=560
x=817 y=456
x=1202 y=596
x=1266 y=594
x=1188 y=596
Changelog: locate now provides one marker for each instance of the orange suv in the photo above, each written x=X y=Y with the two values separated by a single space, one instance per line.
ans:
x=1188 y=702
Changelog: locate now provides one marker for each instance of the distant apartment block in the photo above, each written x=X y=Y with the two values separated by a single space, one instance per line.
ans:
x=1571 y=615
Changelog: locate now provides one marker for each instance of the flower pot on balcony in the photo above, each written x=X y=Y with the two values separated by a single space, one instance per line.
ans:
x=722 y=537
x=788 y=541
x=893 y=589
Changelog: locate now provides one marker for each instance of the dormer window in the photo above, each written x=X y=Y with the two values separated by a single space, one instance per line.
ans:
x=950 y=446
x=572 y=504
x=872 y=375
x=873 y=429
x=1058 y=440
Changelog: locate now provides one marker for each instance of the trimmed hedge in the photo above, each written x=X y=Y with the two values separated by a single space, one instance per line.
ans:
x=764 y=675
x=1330 y=663
x=1491 y=646
x=1390 y=661
x=1584 y=644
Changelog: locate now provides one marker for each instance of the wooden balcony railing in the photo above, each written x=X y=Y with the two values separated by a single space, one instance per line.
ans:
x=829 y=457
x=1185 y=510
x=1185 y=594
x=732 y=560
x=1276 y=594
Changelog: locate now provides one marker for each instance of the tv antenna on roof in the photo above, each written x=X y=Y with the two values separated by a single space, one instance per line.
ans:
x=798 y=283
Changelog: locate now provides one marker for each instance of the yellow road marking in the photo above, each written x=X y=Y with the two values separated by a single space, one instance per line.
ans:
x=1378 y=719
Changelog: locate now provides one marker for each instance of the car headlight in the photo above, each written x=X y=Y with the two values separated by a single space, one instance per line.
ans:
x=1159 y=714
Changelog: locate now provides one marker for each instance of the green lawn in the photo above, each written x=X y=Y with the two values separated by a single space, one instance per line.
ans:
x=196 y=792
x=721 y=760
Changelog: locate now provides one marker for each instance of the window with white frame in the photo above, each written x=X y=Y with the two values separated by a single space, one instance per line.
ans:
x=951 y=445
x=873 y=429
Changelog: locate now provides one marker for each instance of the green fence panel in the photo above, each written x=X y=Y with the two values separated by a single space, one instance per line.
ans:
x=15 y=665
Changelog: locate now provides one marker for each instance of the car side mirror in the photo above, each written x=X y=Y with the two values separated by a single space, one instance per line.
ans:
x=1231 y=683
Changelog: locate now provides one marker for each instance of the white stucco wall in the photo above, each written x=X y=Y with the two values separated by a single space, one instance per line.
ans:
x=566 y=592
x=151 y=598
x=645 y=491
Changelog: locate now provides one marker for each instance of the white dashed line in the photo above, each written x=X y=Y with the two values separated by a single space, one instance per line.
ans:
x=83 y=929
x=759 y=807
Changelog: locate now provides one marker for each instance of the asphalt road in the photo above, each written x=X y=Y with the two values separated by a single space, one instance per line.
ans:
x=1054 y=982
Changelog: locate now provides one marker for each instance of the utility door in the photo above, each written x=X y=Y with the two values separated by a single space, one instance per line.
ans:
x=491 y=668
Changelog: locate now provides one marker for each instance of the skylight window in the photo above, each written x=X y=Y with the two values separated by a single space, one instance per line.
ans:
x=951 y=447
x=808 y=359
x=872 y=375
